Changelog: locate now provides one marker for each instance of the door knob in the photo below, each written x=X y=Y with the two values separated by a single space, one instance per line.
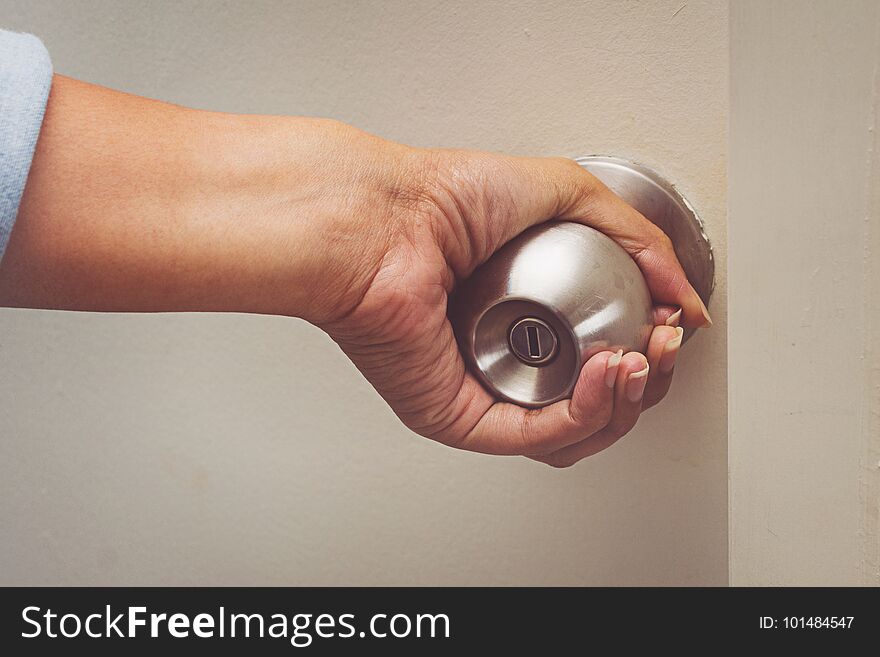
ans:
x=548 y=300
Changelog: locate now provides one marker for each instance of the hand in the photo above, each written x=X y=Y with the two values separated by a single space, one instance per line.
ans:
x=136 y=205
x=446 y=213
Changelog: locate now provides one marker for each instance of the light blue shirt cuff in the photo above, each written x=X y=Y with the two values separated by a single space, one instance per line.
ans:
x=25 y=80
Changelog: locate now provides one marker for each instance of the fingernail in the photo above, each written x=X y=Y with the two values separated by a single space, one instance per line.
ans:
x=707 y=321
x=674 y=318
x=670 y=351
x=635 y=384
x=611 y=368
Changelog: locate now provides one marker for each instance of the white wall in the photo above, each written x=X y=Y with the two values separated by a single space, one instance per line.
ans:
x=209 y=449
x=805 y=318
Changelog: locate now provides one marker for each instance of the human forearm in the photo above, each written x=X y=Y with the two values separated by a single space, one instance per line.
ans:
x=137 y=205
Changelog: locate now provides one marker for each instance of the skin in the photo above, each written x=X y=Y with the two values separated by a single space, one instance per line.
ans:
x=134 y=205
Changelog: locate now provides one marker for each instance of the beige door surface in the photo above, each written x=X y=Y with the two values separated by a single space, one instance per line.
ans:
x=224 y=449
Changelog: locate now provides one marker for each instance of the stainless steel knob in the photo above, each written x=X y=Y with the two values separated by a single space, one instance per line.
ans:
x=557 y=294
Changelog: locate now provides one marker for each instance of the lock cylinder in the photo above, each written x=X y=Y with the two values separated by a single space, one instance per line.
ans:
x=532 y=341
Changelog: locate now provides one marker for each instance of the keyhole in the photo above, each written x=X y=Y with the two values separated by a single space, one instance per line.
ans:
x=533 y=341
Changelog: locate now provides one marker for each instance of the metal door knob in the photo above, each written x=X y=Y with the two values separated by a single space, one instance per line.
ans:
x=540 y=307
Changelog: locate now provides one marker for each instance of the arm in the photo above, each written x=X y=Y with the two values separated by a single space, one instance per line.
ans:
x=136 y=205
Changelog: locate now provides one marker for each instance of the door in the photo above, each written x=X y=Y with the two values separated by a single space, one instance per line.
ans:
x=212 y=449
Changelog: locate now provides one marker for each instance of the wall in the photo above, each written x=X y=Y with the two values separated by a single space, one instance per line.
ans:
x=805 y=322
x=211 y=449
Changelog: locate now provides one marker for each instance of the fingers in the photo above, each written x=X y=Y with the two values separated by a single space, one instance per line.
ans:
x=629 y=388
x=510 y=429
x=632 y=376
x=640 y=383
x=610 y=394
x=662 y=350
x=557 y=188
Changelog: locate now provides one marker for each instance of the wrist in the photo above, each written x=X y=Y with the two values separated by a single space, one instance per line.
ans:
x=246 y=203
x=307 y=206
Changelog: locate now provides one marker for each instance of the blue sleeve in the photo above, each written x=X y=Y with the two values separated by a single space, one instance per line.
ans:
x=25 y=79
